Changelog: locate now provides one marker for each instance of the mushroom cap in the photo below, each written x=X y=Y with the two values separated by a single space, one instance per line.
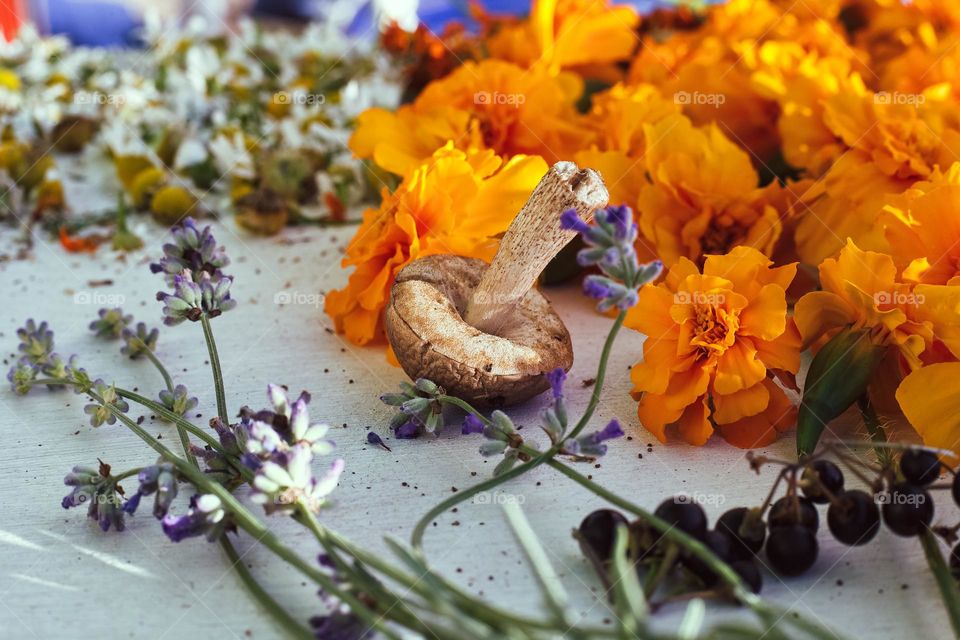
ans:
x=431 y=340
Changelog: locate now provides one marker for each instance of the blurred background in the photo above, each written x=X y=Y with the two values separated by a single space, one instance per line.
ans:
x=117 y=22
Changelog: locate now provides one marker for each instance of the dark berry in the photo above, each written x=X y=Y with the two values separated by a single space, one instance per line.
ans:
x=749 y=573
x=722 y=546
x=907 y=510
x=854 y=518
x=687 y=516
x=597 y=532
x=794 y=510
x=820 y=475
x=791 y=550
x=919 y=466
x=748 y=533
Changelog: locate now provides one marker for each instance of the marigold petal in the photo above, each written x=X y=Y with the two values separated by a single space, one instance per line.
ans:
x=742 y=404
x=930 y=399
x=820 y=311
x=760 y=430
x=694 y=425
x=766 y=315
x=738 y=368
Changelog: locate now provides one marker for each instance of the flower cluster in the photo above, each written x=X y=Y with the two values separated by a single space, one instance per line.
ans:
x=38 y=358
x=420 y=408
x=280 y=444
x=255 y=120
x=191 y=266
x=192 y=249
x=803 y=133
x=111 y=323
x=160 y=479
x=610 y=247
x=98 y=488
x=205 y=517
x=102 y=411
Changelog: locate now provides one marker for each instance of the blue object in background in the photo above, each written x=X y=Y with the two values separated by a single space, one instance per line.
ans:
x=86 y=22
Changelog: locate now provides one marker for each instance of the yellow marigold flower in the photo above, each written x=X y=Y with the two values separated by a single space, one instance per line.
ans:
x=568 y=33
x=701 y=194
x=891 y=144
x=860 y=289
x=616 y=120
x=713 y=341
x=456 y=202
x=489 y=105
x=800 y=80
x=929 y=398
x=923 y=230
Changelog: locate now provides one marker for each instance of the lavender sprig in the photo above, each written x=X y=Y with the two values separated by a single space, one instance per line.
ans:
x=192 y=250
x=100 y=413
x=137 y=342
x=610 y=246
x=206 y=517
x=111 y=323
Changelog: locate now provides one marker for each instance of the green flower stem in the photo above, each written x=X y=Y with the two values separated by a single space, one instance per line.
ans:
x=945 y=580
x=152 y=357
x=294 y=628
x=416 y=538
x=127 y=474
x=248 y=522
x=281 y=615
x=601 y=375
x=877 y=433
x=492 y=615
x=215 y=367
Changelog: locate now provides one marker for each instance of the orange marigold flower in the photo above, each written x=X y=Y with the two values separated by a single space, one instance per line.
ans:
x=457 y=202
x=714 y=342
x=891 y=144
x=488 y=105
x=568 y=33
x=860 y=289
x=923 y=230
x=701 y=194
x=617 y=119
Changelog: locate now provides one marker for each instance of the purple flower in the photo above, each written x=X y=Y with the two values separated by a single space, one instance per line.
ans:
x=99 y=490
x=36 y=341
x=206 y=517
x=160 y=479
x=138 y=341
x=609 y=246
x=592 y=444
x=557 y=378
x=111 y=323
x=193 y=297
x=571 y=221
x=22 y=376
x=192 y=250
x=471 y=424
x=340 y=625
x=621 y=218
x=407 y=431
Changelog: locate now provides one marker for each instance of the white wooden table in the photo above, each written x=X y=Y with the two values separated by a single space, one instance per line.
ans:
x=60 y=577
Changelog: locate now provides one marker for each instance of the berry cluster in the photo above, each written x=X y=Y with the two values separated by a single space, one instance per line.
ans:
x=783 y=530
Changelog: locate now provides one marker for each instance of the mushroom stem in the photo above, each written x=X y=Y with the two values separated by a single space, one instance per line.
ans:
x=533 y=239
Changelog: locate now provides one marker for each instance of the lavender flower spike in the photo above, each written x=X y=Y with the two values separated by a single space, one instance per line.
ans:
x=192 y=250
x=610 y=247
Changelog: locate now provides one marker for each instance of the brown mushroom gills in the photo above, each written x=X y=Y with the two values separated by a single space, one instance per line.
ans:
x=431 y=339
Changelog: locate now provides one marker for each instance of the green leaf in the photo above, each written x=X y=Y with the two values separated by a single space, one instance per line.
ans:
x=837 y=377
